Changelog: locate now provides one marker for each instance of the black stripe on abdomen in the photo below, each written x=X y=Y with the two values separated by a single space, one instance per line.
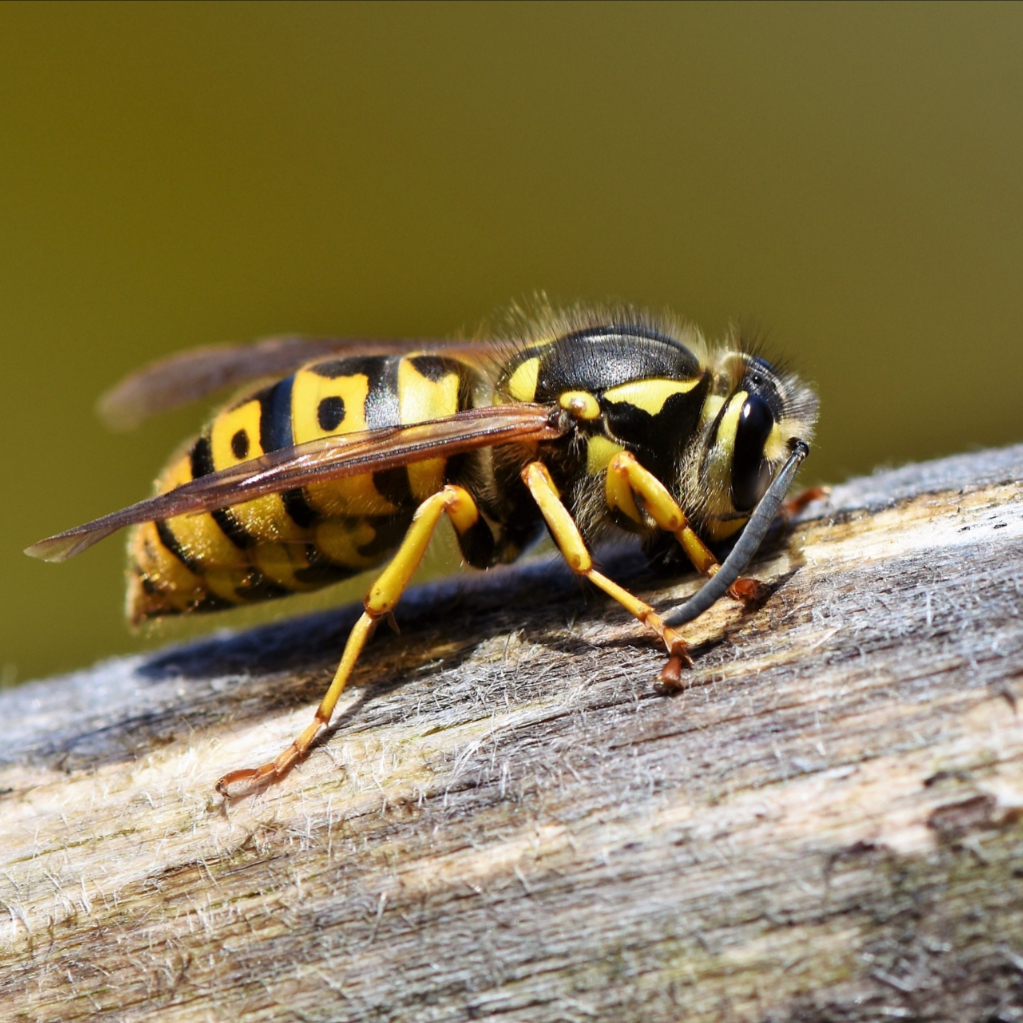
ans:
x=275 y=416
x=276 y=432
x=172 y=544
x=201 y=464
x=382 y=396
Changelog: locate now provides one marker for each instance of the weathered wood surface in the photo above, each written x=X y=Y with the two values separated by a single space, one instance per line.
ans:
x=513 y=821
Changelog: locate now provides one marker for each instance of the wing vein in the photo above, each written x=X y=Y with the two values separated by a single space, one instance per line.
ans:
x=318 y=461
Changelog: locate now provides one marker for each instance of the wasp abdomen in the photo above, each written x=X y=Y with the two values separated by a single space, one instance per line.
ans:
x=309 y=537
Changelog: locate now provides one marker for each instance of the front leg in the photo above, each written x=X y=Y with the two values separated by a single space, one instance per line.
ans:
x=627 y=480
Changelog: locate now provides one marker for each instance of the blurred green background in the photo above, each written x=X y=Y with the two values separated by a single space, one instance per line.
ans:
x=847 y=177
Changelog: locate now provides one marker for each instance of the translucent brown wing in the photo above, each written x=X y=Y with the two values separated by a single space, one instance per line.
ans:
x=318 y=461
x=194 y=374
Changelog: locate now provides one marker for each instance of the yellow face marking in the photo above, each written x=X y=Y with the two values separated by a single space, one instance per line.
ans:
x=600 y=451
x=718 y=469
x=522 y=383
x=775 y=450
x=419 y=399
x=711 y=407
x=649 y=395
x=724 y=443
x=580 y=404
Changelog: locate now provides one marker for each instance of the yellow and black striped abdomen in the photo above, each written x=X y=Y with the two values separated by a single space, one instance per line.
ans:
x=307 y=538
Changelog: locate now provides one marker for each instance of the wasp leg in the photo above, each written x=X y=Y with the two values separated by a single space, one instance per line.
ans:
x=458 y=505
x=794 y=505
x=627 y=479
x=573 y=548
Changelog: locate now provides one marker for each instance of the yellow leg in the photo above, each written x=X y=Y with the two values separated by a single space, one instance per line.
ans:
x=627 y=479
x=568 y=538
x=458 y=505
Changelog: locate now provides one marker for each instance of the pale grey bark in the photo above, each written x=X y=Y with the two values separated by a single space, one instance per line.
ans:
x=512 y=820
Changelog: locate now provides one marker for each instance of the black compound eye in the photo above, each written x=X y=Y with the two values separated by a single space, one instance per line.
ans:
x=750 y=472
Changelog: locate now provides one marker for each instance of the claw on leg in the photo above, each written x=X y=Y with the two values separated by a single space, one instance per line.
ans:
x=748 y=591
x=248 y=781
x=671 y=673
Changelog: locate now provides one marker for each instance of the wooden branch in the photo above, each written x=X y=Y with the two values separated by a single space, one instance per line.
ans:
x=513 y=820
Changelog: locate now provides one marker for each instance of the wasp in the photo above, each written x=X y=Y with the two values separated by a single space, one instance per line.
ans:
x=584 y=422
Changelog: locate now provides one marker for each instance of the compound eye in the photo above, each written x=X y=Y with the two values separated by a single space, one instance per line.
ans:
x=751 y=475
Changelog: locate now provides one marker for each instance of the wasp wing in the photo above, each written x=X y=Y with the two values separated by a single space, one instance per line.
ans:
x=330 y=458
x=188 y=376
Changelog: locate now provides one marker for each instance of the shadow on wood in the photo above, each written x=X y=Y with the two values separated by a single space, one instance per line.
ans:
x=511 y=819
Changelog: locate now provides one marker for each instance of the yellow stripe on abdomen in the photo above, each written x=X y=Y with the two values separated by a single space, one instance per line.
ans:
x=422 y=397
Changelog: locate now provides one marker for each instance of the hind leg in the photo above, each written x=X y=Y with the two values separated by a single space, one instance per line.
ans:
x=458 y=505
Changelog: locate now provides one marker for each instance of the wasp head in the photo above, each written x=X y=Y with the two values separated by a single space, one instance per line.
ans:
x=752 y=417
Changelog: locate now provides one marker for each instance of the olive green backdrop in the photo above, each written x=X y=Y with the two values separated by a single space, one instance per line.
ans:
x=848 y=177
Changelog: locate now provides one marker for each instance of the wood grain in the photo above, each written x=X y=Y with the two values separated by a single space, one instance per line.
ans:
x=512 y=820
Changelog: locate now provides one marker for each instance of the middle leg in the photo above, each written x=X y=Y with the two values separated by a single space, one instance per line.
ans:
x=573 y=548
